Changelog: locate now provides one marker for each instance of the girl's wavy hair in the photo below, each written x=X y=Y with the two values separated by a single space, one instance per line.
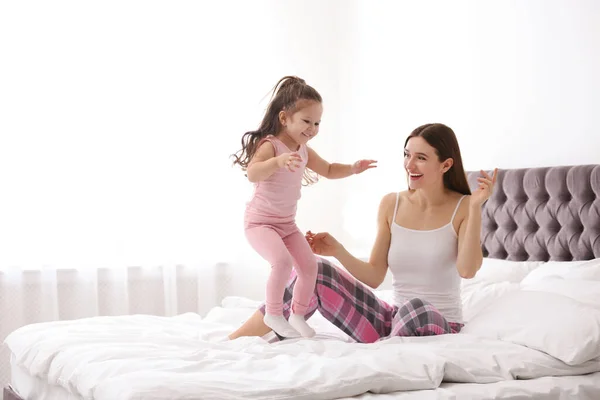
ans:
x=286 y=96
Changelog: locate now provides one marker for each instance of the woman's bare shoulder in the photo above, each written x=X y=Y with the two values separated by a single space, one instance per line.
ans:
x=390 y=198
x=388 y=204
x=463 y=209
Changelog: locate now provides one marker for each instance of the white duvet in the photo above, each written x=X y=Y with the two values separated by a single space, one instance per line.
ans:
x=135 y=357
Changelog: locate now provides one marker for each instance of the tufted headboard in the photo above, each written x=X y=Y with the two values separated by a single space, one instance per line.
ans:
x=542 y=214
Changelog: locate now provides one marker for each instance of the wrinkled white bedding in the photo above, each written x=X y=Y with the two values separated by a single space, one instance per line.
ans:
x=132 y=357
x=185 y=357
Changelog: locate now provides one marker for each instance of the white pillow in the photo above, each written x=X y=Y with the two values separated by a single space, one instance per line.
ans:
x=495 y=270
x=554 y=324
x=587 y=292
x=239 y=302
x=476 y=298
x=588 y=270
x=229 y=316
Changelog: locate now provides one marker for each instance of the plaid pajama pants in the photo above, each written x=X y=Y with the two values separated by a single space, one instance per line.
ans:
x=357 y=311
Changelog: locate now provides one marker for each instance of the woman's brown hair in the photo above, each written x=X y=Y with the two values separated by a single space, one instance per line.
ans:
x=443 y=139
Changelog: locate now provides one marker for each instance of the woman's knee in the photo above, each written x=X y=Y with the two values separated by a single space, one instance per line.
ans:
x=416 y=303
x=329 y=273
x=325 y=268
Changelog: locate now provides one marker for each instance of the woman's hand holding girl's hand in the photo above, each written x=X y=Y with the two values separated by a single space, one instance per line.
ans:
x=323 y=243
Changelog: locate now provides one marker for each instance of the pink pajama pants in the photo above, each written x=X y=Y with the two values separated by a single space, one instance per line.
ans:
x=284 y=246
x=356 y=310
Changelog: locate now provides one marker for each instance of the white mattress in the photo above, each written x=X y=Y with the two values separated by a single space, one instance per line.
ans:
x=66 y=355
x=581 y=387
x=29 y=387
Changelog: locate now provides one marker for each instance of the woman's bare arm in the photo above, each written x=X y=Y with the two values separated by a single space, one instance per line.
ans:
x=372 y=273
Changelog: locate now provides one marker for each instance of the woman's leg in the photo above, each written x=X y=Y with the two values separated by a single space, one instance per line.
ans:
x=417 y=317
x=254 y=326
x=351 y=305
x=344 y=301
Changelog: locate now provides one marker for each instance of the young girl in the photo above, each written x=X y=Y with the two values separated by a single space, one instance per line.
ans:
x=275 y=158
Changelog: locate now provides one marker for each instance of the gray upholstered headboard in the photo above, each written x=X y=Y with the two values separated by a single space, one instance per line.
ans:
x=542 y=214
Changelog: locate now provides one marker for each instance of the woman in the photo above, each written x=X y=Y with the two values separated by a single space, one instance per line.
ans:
x=428 y=236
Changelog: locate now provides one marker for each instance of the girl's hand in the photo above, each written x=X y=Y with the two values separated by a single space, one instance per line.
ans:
x=363 y=165
x=291 y=161
x=323 y=243
x=485 y=189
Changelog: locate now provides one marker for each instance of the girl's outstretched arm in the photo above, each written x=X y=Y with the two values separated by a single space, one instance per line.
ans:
x=336 y=170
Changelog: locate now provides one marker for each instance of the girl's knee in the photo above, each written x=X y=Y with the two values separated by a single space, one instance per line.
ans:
x=282 y=261
x=307 y=272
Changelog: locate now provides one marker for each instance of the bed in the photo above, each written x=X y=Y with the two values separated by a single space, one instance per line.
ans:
x=532 y=313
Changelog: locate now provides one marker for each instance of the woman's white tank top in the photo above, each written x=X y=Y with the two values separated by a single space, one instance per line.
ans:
x=423 y=265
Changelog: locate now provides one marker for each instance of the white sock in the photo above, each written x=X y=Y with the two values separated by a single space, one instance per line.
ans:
x=299 y=323
x=280 y=326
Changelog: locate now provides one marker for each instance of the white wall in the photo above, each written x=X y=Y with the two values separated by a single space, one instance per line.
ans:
x=106 y=110
x=518 y=82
